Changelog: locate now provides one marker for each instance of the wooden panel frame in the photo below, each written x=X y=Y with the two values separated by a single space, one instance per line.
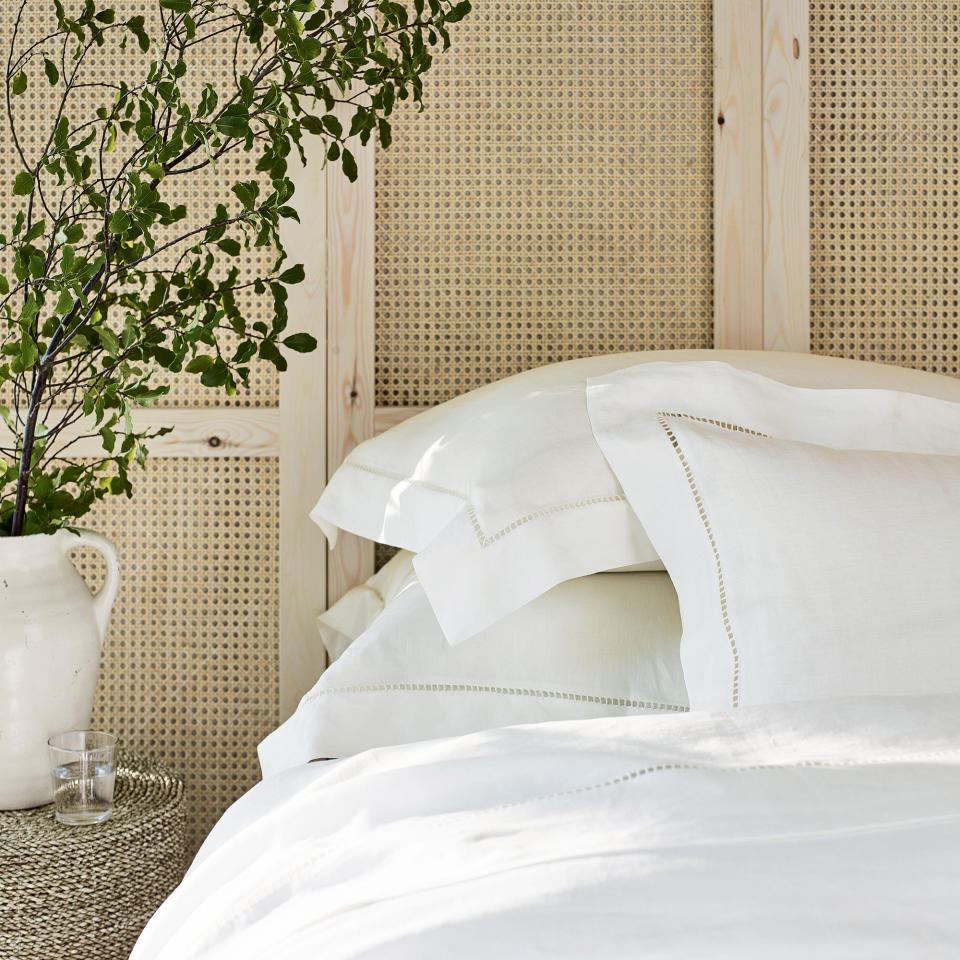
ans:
x=737 y=172
x=786 y=175
x=303 y=451
x=197 y=432
x=761 y=175
x=350 y=329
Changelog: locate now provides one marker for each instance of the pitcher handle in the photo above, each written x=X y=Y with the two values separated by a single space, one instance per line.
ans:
x=103 y=601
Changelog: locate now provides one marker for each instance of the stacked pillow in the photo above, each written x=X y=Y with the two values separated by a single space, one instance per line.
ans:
x=782 y=526
x=503 y=493
x=813 y=535
x=605 y=645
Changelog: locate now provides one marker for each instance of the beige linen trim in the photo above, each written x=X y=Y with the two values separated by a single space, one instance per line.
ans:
x=414 y=687
x=662 y=418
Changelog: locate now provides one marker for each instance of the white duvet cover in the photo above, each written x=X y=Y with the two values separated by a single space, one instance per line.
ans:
x=828 y=829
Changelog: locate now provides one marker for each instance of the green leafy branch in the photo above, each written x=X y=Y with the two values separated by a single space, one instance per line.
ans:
x=106 y=279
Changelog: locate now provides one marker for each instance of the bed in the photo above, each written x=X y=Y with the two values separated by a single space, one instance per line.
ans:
x=708 y=707
x=786 y=831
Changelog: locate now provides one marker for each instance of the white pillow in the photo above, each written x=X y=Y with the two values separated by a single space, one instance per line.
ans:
x=504 y=493
x=358 y=608
x=803 y=571
x=605 y=645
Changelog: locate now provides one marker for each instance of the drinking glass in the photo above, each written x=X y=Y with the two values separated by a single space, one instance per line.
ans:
x=84 y=771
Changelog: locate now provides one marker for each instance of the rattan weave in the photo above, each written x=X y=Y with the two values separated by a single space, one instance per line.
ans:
x=555 y=200
x=87 y=892
x=885 y=193
x=190 y=669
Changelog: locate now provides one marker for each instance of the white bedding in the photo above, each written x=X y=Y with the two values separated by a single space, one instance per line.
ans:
x=825 y=829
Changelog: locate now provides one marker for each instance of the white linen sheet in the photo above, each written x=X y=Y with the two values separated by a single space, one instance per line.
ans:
x=828 y=829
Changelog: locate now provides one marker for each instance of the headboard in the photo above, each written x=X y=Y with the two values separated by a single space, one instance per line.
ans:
x=590 y=176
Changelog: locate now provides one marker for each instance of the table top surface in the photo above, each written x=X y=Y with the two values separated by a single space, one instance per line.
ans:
x=145 y=791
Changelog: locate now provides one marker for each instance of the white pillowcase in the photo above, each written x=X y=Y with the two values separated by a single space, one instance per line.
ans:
x=358 y=608
x=605 y=645
x=803 y=571
x=504 y=494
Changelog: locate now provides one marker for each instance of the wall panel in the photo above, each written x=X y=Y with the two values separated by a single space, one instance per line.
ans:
x=885 y=204
x=190 y=666
x=554 y=200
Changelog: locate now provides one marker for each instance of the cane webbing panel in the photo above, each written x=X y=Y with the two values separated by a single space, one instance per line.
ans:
x=554 y=200
x=885 y=204
x=200 y=191
x=190 y=671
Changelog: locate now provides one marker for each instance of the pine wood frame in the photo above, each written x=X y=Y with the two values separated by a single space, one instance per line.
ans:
x=761 y=280
x=761 y=175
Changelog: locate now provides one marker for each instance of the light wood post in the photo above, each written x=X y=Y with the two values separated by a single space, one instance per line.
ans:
x=738 y=172
x=350 y=364
x=303 y=451
x=761 y=175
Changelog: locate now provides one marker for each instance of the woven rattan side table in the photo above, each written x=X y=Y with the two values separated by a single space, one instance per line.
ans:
x=87 y=892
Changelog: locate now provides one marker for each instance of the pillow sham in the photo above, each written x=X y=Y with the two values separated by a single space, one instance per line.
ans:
x=604 y=645
x=358 y=608
x=503 y=492
x=803 y=570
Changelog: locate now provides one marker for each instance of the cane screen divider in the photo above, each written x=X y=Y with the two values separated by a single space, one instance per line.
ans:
x=553 y=201
x=885 y=181
x=190 y=665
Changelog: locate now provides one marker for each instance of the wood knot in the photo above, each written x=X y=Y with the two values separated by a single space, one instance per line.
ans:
x=214 y=442
x=796 y=49
x=721 y=119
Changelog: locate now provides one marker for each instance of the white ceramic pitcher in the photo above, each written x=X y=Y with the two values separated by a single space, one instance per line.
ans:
x=51 y=633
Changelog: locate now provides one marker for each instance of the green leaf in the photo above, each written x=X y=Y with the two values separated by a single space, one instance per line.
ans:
x=332 y=125
x=64 y=302
x=60 y=134
x=50 y=69
x=349 y=165
x=215 y=375
x=155 y=170
x=119 y=221
x=136 y=26
x=110 y=341
x=23 y=185
x=246 y=193
x=29 y=310
x=230 y=246
x=234 y=121
x=294 y=275
x=247 y=90
x=108 y=438
x=35 y=231
x=199 y=363
x=300 y=342
x=177 y=6
x=19 y=84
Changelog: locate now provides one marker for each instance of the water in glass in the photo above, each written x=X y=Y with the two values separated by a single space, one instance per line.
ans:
x=83 y=796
